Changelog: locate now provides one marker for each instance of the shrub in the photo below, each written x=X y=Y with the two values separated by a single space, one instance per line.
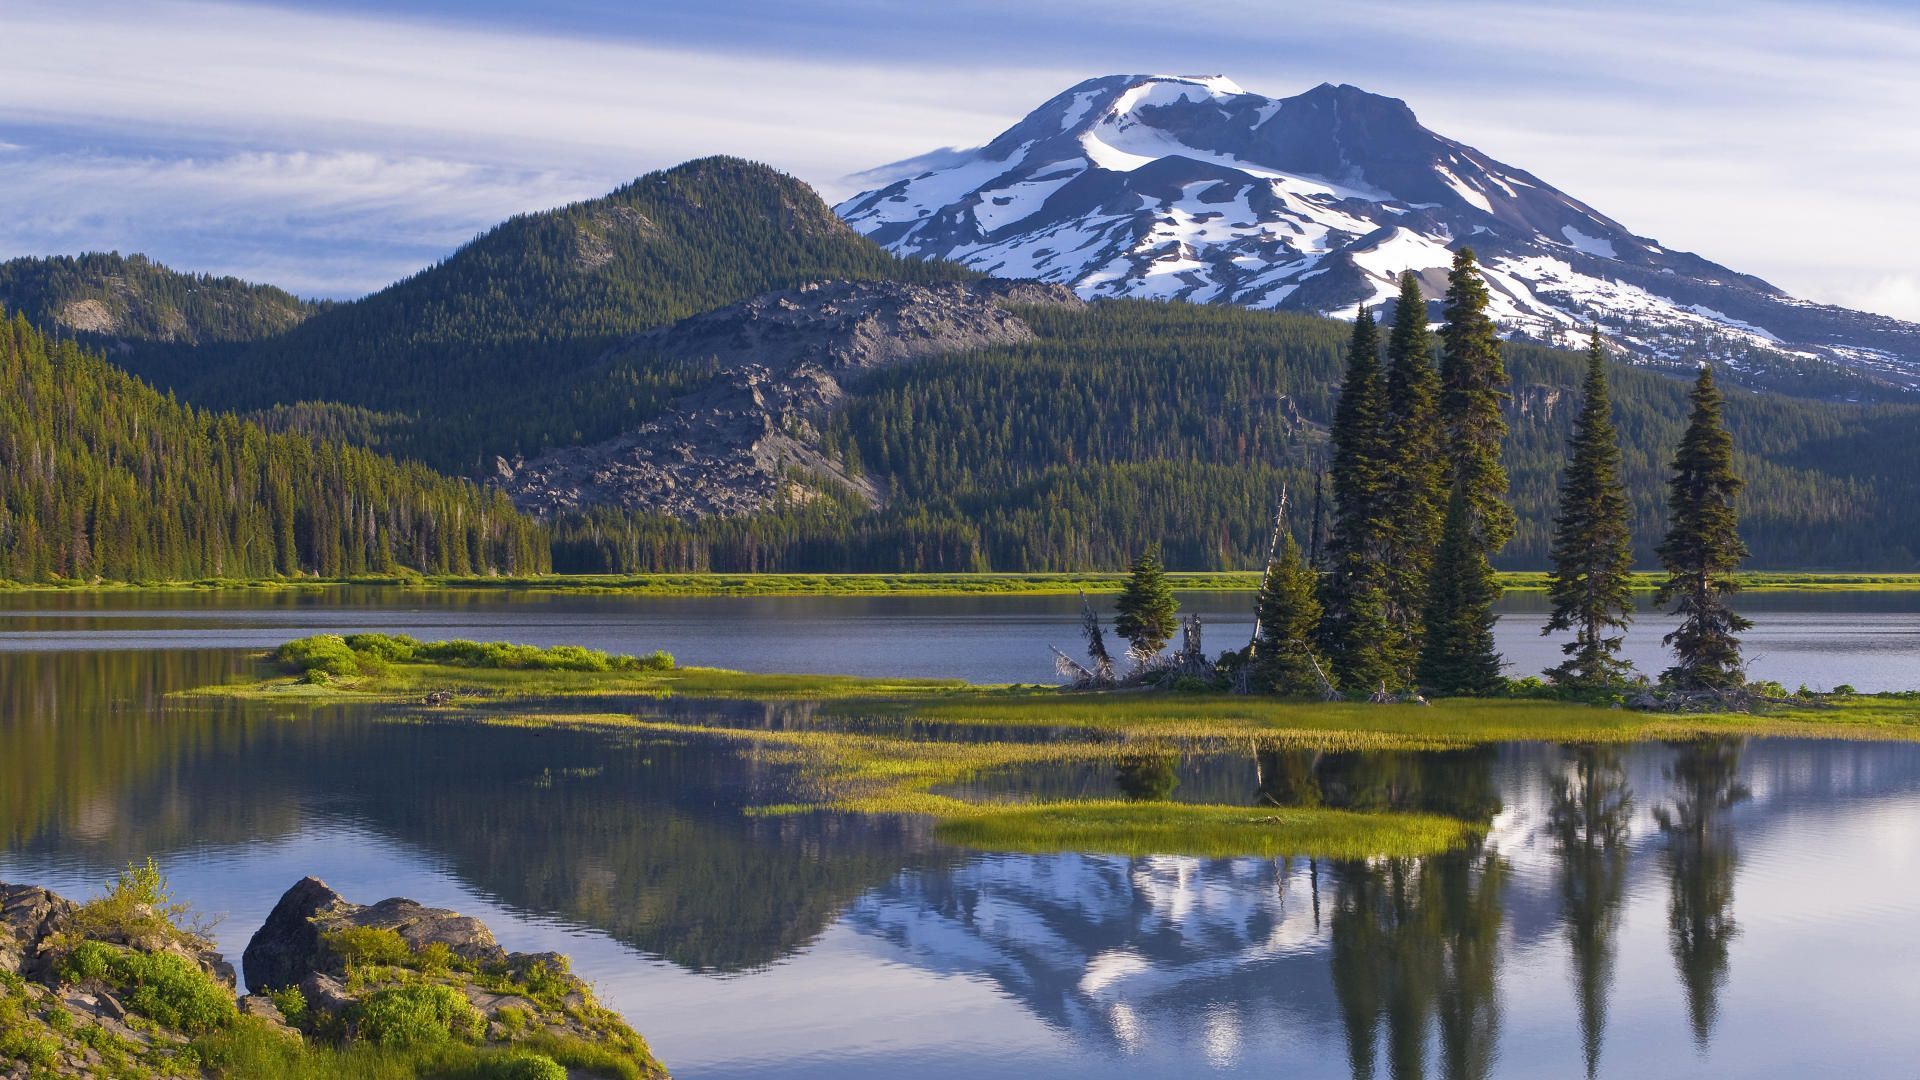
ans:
x=524 y=1065
x=291 y=1003
x=361 y=945
x=545 y=980
x=327 y=654
x=393 y=648
x=138 y=904
x=170 y=990
x=420 y=1014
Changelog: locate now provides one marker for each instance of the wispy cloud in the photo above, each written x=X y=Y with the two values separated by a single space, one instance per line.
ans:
x=1774 y=137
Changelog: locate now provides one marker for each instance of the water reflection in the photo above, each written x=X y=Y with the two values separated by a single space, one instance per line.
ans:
x=1700 y=859
x=1589 y=818
x=1513 y=958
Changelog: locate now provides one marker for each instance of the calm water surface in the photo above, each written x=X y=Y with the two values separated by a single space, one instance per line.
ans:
x=1869 y=640
x=1731 y=908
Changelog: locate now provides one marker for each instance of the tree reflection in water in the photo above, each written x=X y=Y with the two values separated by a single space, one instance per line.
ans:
x=1700 y=860
x=1590 y=808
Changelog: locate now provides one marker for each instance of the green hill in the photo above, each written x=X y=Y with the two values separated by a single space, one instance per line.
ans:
x=131 y=299
x=471 y=347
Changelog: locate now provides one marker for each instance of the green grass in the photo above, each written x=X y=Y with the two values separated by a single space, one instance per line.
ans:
x=1138 y=828
x=898 y=742
x=891 y=584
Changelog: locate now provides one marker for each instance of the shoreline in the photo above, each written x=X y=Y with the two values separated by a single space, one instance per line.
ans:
x=881 y=584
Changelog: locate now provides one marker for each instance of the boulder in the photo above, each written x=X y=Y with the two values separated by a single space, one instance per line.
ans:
x=28 y=916
x=288 y=946
x=291 y=945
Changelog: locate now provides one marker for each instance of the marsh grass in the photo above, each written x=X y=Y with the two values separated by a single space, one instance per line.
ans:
x=871 y=774
x=877 y=584
x=1134 y=828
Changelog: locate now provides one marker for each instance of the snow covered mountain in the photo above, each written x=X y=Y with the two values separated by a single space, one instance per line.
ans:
x=1191 y=188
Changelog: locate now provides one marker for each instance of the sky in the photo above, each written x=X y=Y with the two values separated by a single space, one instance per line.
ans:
x=334 y=147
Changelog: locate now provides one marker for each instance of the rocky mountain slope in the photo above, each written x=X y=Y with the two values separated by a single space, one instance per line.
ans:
x=750 y=438
x=1192 y=188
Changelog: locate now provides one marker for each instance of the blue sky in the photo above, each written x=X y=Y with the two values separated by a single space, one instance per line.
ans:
x=334 y=147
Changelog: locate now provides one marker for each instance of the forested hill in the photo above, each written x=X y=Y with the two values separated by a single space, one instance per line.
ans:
x=131 y=299
x=1129 y=423
x=100 y=476
x=538 y=298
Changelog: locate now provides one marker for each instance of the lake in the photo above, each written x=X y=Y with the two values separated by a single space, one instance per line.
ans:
x=1726 y=908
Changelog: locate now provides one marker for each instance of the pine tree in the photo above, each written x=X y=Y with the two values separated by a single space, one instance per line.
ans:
x=1457 y=656
x=1354 y=630
x=1415 y=482
x=1145 y=614
x=1702 y=549
x=1285 y=656
x=1592 y=549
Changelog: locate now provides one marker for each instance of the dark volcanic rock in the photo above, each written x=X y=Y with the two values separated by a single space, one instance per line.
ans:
x=780 y=360
x=288 y=945
x=291 y=945
x=28 y=916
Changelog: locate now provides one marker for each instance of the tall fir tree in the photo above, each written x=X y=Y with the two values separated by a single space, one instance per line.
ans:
x=1457 y=656
x=1354 y=629
x=1415 y=483
x=1286 y=657
x=1146 y=613
x=1591 y=586
x=1702 y=549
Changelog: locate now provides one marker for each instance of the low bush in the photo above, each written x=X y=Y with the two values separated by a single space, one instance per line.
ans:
x=393 y=648
x=170 y=990
x=364 y=945
x=291 y=1003
x=524 y=1065
x=419 y=1014
x=327 y=654
x=330 y=656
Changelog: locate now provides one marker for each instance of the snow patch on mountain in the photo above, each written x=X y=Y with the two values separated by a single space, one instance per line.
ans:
x=1191 y=188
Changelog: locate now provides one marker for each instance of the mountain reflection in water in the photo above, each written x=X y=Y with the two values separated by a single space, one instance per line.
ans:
x=1648 y=910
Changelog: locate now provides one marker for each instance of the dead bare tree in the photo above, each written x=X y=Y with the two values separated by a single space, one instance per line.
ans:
x=1096 y=642
x=1273 y=552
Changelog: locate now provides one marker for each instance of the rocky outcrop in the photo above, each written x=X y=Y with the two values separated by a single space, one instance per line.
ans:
x=76 y=996
x=341 y=956
x=29 y=915
x=293 y=942
x=750 y=437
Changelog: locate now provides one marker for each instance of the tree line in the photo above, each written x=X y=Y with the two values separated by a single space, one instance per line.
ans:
x=103 y=478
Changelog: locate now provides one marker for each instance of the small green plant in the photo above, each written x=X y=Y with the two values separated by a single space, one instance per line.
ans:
x=546 y=980
x=169 y=990
x=138 y=904
x=437 y=956
x=419 y=1014
x=291 y=1003
x=525 y=1065
x=361 y=946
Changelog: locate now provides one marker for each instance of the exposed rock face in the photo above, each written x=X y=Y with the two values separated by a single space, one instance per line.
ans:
x=291 y=944
x=28 y=916
x=779 y=360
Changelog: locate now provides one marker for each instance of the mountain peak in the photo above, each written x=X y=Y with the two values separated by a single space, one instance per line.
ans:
x=1190 y=187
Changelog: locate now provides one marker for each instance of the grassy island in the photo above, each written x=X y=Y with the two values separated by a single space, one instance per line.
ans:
x=899 y=746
